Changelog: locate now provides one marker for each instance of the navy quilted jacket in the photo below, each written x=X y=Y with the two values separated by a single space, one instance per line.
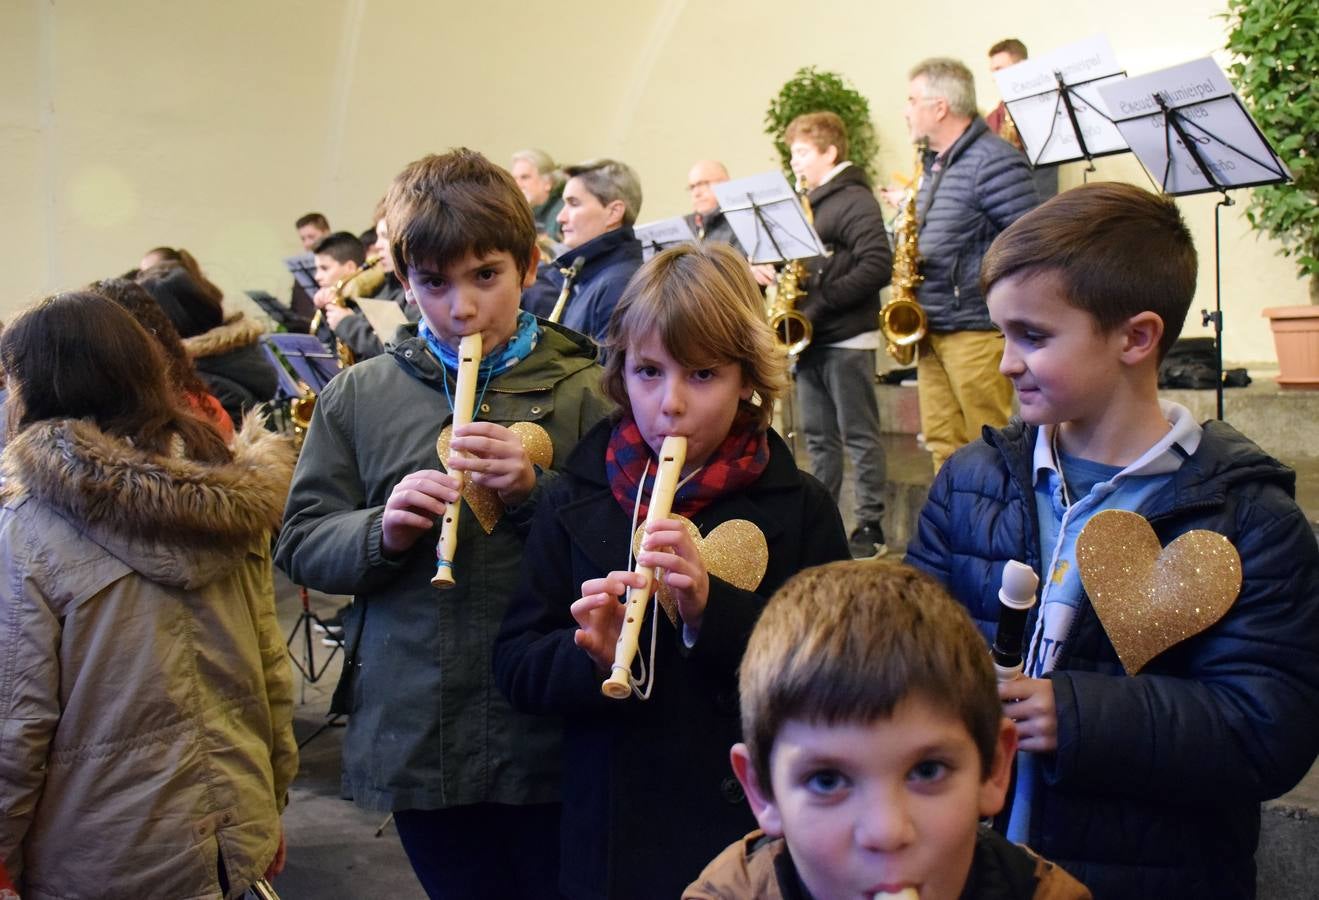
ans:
x=1155 y=788
x=983 y=187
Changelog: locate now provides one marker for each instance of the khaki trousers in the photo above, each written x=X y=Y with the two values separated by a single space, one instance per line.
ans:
x=960 y=389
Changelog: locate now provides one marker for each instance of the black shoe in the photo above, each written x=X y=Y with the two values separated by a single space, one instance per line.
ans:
x=867 y=541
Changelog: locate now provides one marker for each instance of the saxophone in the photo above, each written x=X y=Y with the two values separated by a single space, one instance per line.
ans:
x=362 y=283
x=791 y=328
x=902 y=319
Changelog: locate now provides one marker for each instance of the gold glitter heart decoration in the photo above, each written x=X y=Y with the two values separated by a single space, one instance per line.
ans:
x=483 y=501
x=735 y=552
x=1149 y=597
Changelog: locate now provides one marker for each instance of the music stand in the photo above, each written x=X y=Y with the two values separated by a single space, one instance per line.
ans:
x=1056 y=104
x=302 y=365
x=283 y=316
x=766 y=216
x=1189 y=129
x=663 y=234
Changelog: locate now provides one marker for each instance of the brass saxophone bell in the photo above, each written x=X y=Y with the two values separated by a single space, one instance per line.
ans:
x=902 y=320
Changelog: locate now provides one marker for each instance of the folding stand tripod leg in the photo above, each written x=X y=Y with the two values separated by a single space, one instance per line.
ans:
x=307 y=666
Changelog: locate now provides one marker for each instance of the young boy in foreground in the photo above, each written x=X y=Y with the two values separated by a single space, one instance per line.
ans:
x=473 y=785
x=1146 y=783
x=875 y=742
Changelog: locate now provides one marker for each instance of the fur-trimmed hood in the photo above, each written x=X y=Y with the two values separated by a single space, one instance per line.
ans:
x=175 y=520
x=237 y=332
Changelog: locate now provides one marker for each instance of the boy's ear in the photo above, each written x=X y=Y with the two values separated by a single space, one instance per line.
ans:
x=763 y=808
x=994 y=789
x=1140 y=337
x=533 y=260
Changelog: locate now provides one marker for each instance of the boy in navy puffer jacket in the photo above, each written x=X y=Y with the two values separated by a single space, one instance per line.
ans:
x=1148 y=783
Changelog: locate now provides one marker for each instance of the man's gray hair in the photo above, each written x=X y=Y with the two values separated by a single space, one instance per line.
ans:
x=608 y=180
x=949 y=79
x=541 y=160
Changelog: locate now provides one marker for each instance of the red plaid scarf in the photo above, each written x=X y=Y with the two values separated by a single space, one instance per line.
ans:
x=735 y=464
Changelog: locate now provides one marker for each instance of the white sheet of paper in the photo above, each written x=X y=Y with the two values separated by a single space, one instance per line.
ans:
x=1030 y=89
x=774 y=228
x=1212 y=116
x=384 y=315
x=663 y=234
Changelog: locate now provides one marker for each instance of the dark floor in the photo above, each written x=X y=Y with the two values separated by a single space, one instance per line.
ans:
x=333 y=853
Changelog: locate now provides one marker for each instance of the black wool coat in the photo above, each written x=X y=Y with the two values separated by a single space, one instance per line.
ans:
x=649 y=797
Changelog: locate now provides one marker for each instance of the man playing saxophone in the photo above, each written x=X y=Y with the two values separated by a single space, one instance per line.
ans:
x=836 y=373
x=340 y=260
x=975 y=185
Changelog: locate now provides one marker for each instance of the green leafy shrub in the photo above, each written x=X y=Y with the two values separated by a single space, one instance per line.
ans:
x=810 y=90
x=1275 y=44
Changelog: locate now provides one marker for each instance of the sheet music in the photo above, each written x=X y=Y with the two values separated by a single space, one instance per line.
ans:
x=303 y=269
x=1030 y=90
x=1208 y=110
x=663 y=234
x=767 y=218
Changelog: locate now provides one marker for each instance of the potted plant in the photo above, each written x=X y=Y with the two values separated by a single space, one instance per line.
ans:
x=1275 y=45
x=810 y=90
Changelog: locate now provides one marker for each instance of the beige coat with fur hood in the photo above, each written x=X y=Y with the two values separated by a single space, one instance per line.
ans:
x=145 y=696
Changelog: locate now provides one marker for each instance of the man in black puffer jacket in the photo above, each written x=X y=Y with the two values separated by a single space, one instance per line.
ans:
x=836 y=373
x=975 y=185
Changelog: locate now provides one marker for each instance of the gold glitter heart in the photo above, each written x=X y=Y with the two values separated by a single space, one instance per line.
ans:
x=735 y=552
x=1149 y=597
x=483 y=501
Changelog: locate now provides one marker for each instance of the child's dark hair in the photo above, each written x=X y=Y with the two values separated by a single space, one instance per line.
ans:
x=845 y=643
x=186 y=302
x=1119 y=250
x=314 y=219
x=182 y=257
x=143 y=307
x=80 y=355
x=443 y=207
x=702 y=304
x=342 y=247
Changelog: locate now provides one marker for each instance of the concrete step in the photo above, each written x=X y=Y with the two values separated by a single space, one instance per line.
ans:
x=1285 y=422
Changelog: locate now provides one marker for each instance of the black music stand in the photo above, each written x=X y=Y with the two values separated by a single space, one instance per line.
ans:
x=763 y=210
x=1068 y=99
x=303 y=365
x=283 y=316
x=1208 y=142
x=658 y=236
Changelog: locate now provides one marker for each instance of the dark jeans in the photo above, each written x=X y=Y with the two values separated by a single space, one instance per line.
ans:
x=489 y=850
x=836 y=399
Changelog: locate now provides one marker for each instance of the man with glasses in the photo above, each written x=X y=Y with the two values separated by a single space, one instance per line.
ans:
x=706 y=220
x=975 y=185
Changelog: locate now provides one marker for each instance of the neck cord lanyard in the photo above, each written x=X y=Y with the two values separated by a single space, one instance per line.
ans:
x=648 y=669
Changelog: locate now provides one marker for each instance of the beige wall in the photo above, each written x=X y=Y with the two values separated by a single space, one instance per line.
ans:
x=214 y=125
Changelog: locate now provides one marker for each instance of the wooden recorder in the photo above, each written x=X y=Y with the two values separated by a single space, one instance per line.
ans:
x=672 y=456
x=464 y=399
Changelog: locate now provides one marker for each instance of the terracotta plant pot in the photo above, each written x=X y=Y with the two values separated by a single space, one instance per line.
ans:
x=1296 y=337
